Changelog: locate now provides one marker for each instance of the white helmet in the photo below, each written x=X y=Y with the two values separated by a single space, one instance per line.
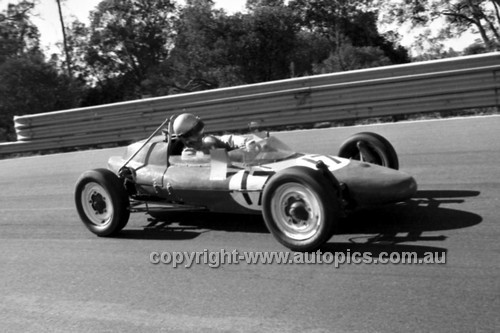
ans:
x=187 y=125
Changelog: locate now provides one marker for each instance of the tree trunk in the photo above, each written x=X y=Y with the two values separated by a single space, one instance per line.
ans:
x=477 y=15
x=496 y=4
x=66 y=50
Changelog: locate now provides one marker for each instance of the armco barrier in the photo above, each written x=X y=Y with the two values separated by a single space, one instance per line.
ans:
x=449 y=84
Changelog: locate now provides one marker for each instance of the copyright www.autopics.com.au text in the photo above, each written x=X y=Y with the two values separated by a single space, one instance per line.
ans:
x=216 y=259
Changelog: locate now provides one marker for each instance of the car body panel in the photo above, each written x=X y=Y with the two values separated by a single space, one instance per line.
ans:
x=371 y=184
x=234 y=181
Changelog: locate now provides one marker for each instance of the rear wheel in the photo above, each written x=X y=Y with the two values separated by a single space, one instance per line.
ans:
x=102 y=202
x=300 y=208
x=370 y=147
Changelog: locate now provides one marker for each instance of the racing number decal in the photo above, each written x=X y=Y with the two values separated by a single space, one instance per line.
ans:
x=244 y=181
x=315 y=158
x=246 y=188
x=333 y=163
x=331 y=158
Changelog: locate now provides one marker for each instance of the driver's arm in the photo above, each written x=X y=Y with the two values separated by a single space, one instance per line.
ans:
x=227 y=141
x=212 y=142
x=234 y=141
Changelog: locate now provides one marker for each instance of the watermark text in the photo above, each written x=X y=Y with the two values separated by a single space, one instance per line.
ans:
x=216 y=259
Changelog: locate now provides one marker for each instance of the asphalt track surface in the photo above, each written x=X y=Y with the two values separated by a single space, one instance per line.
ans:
x=55 y=276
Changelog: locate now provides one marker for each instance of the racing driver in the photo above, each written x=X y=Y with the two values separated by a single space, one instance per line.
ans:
x=190 y=130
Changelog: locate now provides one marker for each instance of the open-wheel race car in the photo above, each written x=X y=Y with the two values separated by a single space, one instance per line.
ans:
x=300 y=196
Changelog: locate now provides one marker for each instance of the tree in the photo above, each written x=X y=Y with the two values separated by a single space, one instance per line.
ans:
x=213 y=49
x=65 y=40
x=477 y=16
x=199 y=56
x=335 y=19
x=29 y=85
x=311 y=49
x=350 y=28
x=252 y=5
x=475 y=48
x=18 y=35
x=349 y=57
x=266 y=43
x=75 y=48
x=128 y=39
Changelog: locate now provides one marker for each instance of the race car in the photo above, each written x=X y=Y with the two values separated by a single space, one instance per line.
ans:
x=301 y=196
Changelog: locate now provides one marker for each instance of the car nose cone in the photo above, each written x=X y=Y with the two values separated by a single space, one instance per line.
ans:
x=370 y=184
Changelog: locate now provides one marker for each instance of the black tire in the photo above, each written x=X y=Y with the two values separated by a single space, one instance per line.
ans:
x=102 y=202
x=290 y=199
x=380 y=149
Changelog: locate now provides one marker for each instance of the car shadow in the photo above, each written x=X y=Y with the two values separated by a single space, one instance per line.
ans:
x=384 y=229
x=369 y=227
x=189 y=225
x=164 y=234
x=424 y=212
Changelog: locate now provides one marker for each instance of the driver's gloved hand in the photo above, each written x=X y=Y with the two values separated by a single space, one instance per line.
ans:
x=210 y=142
x=252 y=146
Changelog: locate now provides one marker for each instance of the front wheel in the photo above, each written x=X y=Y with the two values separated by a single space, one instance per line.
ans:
x=102 y=202
x=370 y=147
x=300 y=208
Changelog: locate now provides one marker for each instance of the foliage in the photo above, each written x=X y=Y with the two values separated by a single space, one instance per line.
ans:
x=137 y=48
x=349 y=57
x=310 y=50
x=351 y=29
x=128 y=38
x=199 y=58
x=18 y=35
x=29 y=85
x=266 y=44
x=457 y=16
x=213 y=49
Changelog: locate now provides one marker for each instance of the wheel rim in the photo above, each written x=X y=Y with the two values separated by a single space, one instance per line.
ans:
x=97 y=205
x=296 y=211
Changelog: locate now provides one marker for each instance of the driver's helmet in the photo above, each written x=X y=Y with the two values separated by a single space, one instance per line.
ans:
x=188 y=125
